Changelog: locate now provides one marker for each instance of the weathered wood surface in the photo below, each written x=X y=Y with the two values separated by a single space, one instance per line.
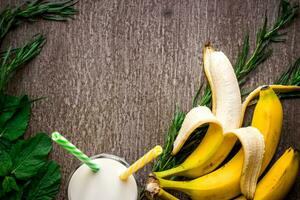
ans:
x=114 y=75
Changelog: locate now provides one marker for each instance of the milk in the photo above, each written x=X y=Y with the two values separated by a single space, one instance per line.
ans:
x=103 y=185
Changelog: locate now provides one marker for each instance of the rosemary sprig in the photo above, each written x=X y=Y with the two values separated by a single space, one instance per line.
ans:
x=58 y=11
x=33 y=10
x=290 y=77
x=244 y=64
x=264 y=37
x=13 y=60
x=165 y=159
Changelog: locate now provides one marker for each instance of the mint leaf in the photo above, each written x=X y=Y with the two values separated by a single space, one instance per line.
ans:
x=15 y=195
x=29 y=155
x=5 y=163
x=5 y=145
x=1 y=193
x=8 y=107
x=9 y=184
x=45 y=185
x=14 y=121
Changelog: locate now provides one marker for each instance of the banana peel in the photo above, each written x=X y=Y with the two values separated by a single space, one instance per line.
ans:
x=226 y=99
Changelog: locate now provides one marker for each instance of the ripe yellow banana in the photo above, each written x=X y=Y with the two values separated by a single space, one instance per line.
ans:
x=280 y=178
x=224 y=183
x=227 y=108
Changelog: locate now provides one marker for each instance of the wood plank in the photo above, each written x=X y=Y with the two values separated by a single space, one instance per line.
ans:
x=114 y=75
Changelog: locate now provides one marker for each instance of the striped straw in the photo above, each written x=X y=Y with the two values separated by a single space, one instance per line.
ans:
x=140 y=163
x=64 y=143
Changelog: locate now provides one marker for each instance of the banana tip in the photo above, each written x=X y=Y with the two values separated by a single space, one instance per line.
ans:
x=174 y=151
x=265 y=87
x=207 y=44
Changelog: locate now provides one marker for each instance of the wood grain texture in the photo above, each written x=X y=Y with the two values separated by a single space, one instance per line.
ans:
x=114 y=75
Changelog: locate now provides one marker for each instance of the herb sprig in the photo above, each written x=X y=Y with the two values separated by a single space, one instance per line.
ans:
x=244 y=65
x=24 y=165
x=34 y=10
x=14 y=59
x=290 y=77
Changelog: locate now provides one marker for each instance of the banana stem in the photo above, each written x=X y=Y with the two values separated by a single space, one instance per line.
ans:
x=166 y=196
x=170 y=172
x=169 y=184
x=153 y=187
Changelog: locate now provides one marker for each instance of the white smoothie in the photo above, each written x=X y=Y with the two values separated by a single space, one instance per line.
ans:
x=103 y=185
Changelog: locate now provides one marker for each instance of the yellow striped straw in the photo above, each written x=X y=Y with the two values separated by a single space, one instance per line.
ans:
x=140 y=163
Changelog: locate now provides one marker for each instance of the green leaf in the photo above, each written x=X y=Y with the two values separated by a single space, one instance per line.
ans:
x=30 y=155
x=15 y=195
x=15 y=120
x=5 y=145
x=9 y=184
x=9 y=104
x=1 y=193
x=5 y=163
x=45 y=185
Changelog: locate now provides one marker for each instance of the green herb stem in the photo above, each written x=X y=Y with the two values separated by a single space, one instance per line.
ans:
x=33 y=10
x=13 y=60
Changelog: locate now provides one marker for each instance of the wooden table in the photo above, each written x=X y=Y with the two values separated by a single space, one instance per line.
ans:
x=114 y=75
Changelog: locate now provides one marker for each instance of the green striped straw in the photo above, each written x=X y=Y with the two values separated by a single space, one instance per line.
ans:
x=64 y=143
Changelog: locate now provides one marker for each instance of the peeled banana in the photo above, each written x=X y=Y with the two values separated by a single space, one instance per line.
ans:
x=224 y=183
x=280 y=178
x=226 y=106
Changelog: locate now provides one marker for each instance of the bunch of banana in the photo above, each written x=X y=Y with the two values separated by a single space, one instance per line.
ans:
x=273 y=186
x=224 y=183
x=225 y=106
x=259 y=142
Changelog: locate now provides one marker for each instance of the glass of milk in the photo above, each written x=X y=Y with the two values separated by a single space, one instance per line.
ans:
x=105 y=184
